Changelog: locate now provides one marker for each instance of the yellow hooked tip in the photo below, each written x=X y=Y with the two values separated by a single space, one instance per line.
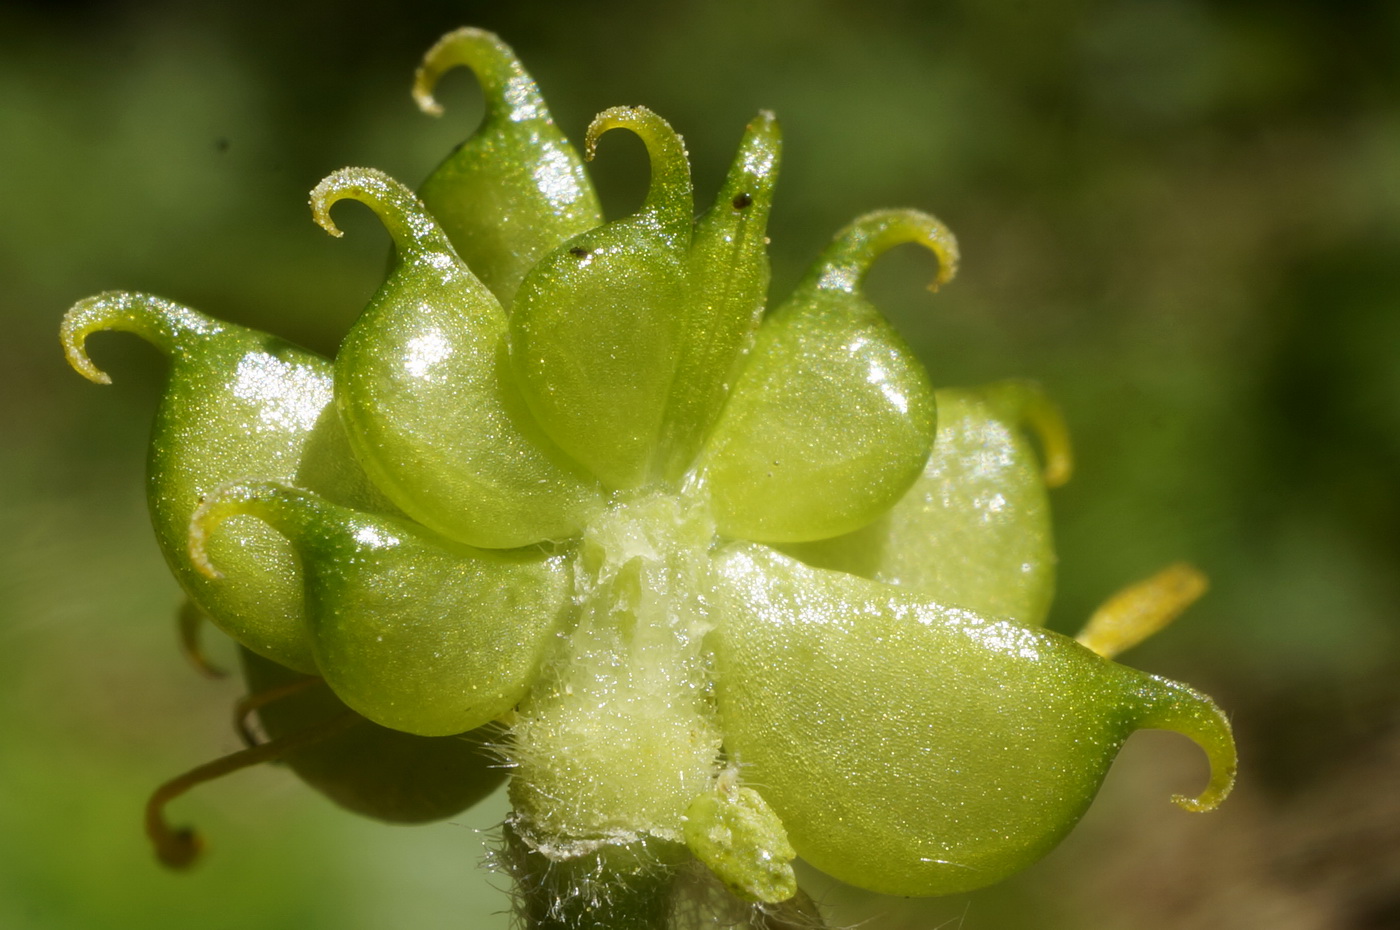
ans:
x=85 y=318
x=1026 y=402
x=206 y=516
x=508 y=90
x=224 y=502
x=404 y=217
x=844 y=263
x=160 y=322
x=1170 y=705
x=451 y=51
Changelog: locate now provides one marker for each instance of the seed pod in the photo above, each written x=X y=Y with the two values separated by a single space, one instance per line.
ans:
x=975 y=529
x=414 y=632
x=728 y=285
x=832 y=418
x=516 y=189
x=369 y=769
x=238 y=403
x=916 y=749
x=597 y=327
x=427 y=396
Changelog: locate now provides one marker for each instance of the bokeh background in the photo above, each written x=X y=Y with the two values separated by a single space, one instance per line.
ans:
x=1182 y=216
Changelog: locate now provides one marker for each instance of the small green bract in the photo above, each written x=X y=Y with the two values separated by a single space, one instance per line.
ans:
x=710 y=581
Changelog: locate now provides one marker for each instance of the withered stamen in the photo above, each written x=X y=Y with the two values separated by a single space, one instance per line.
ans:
x=178 y=849
x=191 y=622
x=251 y=703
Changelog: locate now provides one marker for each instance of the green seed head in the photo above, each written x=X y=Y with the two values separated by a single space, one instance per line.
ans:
x=718 y=579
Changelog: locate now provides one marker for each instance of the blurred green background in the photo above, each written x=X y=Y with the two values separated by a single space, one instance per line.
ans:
x=1182 y=216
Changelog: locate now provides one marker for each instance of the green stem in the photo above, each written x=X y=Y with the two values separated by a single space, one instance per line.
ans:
x=638 y=886
x=615 y=887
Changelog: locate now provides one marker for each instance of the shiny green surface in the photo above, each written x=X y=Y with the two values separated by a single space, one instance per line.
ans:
x=974 y=530
x=409 y=630
x=728 y=289
x=833 y=417
x=913 y=748
x=238 y=403
x=424 y=391
x=597 y=328
x=516 y=189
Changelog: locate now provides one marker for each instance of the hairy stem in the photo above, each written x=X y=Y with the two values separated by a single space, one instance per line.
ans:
x=615 y=887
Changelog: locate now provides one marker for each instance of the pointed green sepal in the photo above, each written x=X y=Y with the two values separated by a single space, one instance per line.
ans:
x=424 y=386
x=238 y=403
x=516 y=189
x=598 y=324
x=728 y=287
x=414 y=632
x=832 y=418
x=734 y=832
x=975 y=529
x=917 y=749
x=372 y=770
